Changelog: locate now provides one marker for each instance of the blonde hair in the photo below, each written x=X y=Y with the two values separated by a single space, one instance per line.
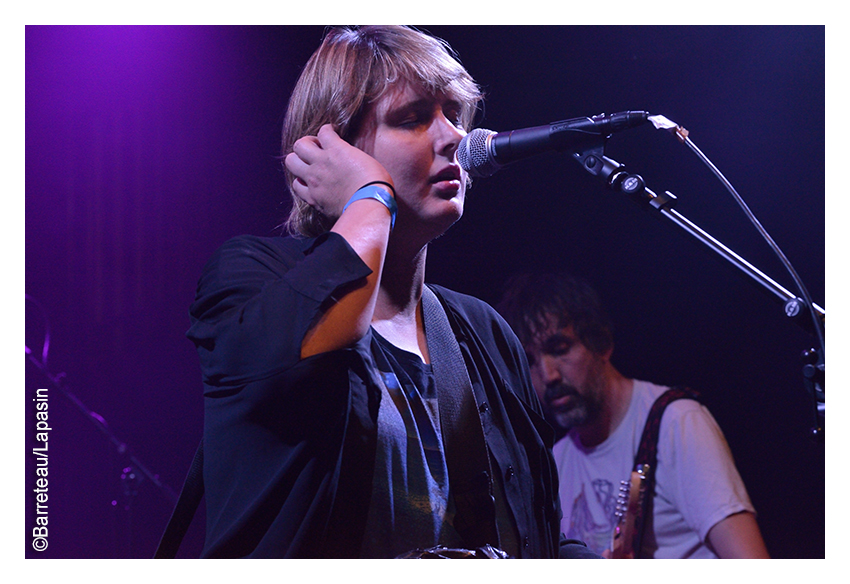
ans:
x=348 y=73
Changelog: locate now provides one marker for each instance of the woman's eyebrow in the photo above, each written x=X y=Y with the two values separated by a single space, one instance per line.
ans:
x=405 y=105
x=418 y=104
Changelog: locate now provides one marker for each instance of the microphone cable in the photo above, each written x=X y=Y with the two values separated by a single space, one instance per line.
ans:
x=662 y=123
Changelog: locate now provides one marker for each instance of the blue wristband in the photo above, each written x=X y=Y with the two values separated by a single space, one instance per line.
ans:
x=379 y=193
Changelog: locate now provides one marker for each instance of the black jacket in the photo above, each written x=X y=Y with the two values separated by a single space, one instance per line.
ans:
x=290 y=444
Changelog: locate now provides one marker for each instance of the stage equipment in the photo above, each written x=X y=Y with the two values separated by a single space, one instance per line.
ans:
x=483 y=152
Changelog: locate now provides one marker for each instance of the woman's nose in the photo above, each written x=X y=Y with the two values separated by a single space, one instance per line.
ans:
x=447 y=135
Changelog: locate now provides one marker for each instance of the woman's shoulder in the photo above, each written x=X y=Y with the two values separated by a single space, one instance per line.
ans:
x=248 y=257
x=247 y=244
x=271 y=252
x=471 y=308
x=481 y=317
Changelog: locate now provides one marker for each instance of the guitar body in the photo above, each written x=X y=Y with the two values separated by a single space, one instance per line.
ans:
x=629 y=507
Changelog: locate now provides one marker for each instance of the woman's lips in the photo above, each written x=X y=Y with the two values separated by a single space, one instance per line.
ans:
x=448 y=173
x=447 y=180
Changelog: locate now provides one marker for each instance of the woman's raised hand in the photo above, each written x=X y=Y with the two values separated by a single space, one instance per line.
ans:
x=328 y=170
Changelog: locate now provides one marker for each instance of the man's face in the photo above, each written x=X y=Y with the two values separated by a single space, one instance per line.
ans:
x=569 y=379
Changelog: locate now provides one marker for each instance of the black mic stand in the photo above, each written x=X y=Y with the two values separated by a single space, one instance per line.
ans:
x=592 y=158
x=133 y=471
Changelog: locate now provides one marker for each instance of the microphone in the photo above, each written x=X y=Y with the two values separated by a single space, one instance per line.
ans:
x=482 y=152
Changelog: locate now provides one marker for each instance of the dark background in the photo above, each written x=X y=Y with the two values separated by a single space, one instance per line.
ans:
x=147 y=147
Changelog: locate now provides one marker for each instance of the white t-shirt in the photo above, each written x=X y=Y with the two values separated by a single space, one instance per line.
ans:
x=697 y=484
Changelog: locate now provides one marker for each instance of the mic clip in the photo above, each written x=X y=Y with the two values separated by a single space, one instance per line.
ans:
x=593 y=160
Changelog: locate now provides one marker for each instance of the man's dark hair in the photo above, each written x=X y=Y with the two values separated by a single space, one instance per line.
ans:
x=530 y=300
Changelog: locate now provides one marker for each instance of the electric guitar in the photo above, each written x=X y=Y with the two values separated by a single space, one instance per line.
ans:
x=629 y=508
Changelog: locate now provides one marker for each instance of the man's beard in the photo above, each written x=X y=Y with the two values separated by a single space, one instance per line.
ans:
x=582 y=409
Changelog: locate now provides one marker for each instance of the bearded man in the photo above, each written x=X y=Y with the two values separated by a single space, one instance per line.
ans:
x=698 y=508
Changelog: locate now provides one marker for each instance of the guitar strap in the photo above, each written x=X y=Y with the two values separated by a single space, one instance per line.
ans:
x=467 y=456
x=648 y=453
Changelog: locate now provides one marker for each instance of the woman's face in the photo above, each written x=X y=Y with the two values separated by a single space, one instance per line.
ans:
x=415 y=136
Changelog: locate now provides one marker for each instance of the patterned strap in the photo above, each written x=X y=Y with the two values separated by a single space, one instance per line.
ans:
x=467 y=459
x=647 y=454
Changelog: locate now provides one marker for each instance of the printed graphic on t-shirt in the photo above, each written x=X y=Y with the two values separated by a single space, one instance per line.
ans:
x=593 y=520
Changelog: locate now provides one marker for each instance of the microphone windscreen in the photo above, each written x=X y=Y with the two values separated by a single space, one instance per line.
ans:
x=473 y=154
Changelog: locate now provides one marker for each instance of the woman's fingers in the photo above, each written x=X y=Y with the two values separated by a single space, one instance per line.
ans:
x=327 y=170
